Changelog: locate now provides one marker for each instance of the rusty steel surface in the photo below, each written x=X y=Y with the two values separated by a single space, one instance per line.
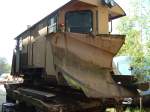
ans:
x=85 y=62
x=55 y=103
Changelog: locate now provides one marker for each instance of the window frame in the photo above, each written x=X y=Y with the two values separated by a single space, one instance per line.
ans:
x=77 y=12
x=55 y=24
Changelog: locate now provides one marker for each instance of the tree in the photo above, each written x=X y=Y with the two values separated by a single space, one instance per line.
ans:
x=4 y=66
x=132 y=46
x=137 y=31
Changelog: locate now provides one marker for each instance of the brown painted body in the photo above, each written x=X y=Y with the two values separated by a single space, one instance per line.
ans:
x=85 y=62
x=80 y=60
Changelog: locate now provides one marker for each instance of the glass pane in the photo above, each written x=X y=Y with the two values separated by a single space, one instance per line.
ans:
x=79 y=21
x=52 y=24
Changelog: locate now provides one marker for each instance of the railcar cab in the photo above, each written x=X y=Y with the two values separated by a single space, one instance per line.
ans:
x=88 y=16
x=77 y=16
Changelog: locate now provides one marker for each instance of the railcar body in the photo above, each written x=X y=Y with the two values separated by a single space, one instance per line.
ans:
x=73 y=47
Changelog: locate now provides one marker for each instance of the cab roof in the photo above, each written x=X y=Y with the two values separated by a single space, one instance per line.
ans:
x=114 y=12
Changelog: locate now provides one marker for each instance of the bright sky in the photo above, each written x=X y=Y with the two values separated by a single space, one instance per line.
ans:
x=17 y=14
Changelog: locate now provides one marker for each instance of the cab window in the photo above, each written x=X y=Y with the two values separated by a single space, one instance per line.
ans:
x=79 y=21
x=52 y=24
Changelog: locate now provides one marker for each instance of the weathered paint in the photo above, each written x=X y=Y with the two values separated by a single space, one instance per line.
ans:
x=83 y=60
x=86 y=62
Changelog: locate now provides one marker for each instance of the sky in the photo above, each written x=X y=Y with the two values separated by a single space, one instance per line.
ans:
x=15 y=15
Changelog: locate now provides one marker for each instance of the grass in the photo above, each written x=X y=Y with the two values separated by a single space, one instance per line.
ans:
x=129 y=110
x=137 y=110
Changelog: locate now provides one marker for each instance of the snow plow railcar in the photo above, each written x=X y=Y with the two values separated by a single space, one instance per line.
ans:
x=72 y=47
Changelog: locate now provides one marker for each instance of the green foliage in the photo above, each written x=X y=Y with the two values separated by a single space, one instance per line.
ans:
x=132 y=43
x=132 y=46
x=147 y=60
x=4 y=66
x=136 y=110
x=137 y=30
